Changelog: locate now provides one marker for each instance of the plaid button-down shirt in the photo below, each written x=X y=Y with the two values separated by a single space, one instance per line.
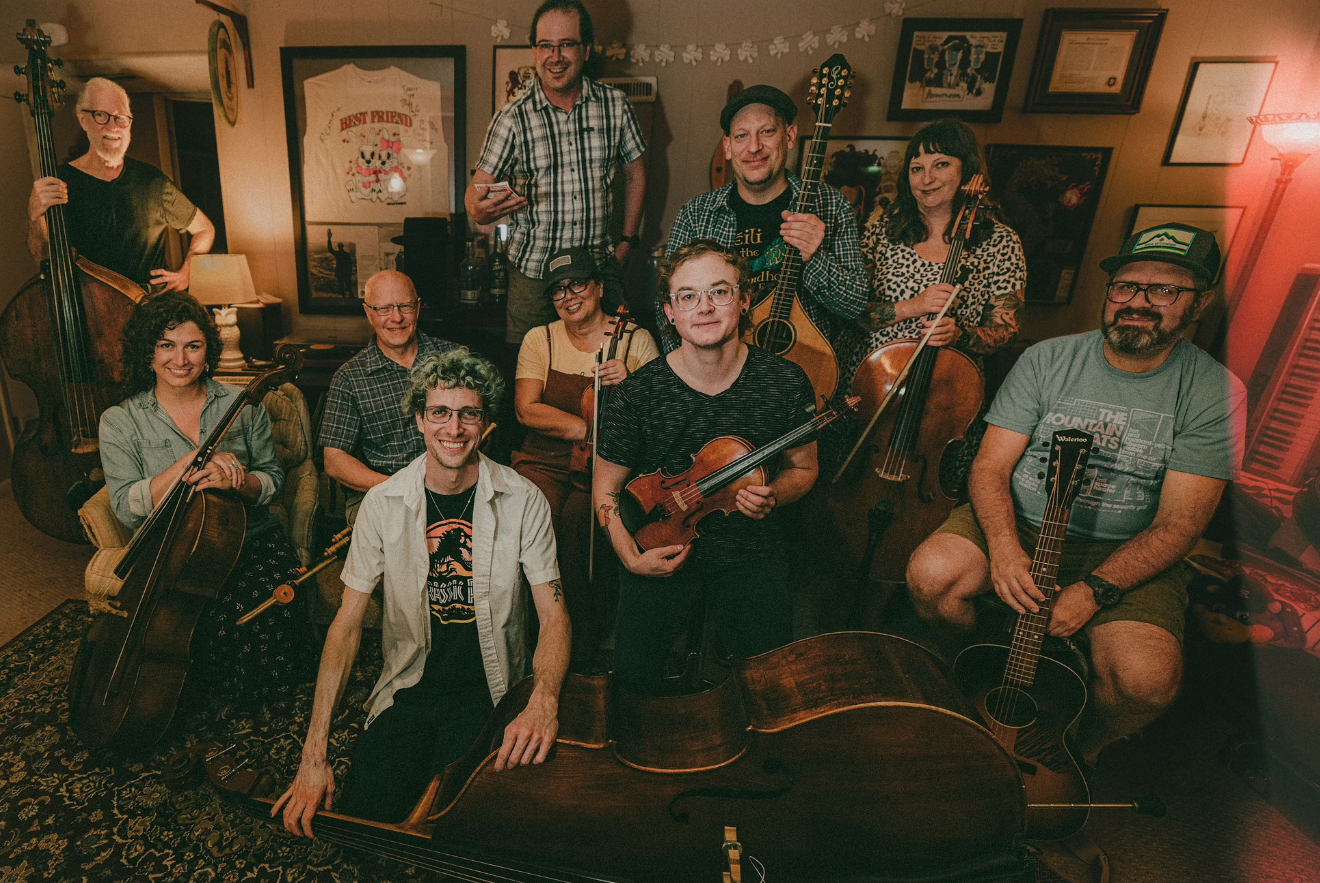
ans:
x=364 y=409
x=834 y=281
x=565 y=164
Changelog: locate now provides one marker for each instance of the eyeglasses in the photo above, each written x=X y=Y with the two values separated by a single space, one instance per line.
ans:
x=564 y=47
x=122 y=120
x=389 y=309
x=1156 y=295
x=720 y=296
x=440 y=415
x=577 y=286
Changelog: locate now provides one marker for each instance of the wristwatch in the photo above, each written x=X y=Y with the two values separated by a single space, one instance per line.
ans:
x=1106 y=593
x=633 y=240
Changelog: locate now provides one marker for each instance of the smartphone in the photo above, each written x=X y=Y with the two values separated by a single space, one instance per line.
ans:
x=499 y=188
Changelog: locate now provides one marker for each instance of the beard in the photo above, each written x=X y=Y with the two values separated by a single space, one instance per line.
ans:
x=1131 y=340
x=110 y=157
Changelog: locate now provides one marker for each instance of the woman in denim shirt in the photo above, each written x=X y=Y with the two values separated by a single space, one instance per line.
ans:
x=170 y=350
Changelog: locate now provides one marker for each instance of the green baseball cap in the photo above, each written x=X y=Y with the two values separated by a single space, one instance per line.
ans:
x=1182 y=245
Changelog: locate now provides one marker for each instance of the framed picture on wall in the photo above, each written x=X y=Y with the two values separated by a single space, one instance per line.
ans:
x=953 y=67
x=514 y=72
x=1211 y=128
x=376 y=135
x=1221 y=220
x=1049 y=196
x=1093 y=60
x=865 y=170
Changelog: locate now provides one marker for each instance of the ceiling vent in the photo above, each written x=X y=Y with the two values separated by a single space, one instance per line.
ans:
x=640 y=90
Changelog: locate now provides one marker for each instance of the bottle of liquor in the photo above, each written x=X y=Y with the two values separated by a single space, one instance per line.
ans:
x=499 y=273
x=470 y=278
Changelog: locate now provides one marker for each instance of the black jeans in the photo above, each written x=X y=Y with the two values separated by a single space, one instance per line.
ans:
x=749 y=604
x=405 y=747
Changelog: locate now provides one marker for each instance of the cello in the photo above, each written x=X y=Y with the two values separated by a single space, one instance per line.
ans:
x=47 y=343
x=893 y=469
x=130 y=668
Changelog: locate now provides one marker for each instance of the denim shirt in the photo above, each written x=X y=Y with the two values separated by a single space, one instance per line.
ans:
x=139 y=441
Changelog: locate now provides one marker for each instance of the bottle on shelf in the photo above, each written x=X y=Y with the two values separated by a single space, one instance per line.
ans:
x=499 y=271
x=471 y=275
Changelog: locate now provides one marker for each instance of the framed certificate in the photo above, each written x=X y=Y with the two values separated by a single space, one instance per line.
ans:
x=1093 y=60
x=1211 y=128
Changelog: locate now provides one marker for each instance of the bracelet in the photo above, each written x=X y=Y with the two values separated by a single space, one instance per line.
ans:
x=633 y=240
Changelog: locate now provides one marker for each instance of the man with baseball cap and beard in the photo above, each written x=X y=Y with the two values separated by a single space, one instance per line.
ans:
x=1168 y=427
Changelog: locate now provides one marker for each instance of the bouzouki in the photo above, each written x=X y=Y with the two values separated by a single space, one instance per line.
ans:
x=779 y=324
x=1028 y=700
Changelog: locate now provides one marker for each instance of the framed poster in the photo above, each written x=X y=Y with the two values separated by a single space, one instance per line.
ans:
x=1221 y=220
x=953 y=67
x=1211 y=127
x=224 y=70
x=865 y=170
x=514 y=70
x=1049 y=196
x=1093 y=60
x=376 y=135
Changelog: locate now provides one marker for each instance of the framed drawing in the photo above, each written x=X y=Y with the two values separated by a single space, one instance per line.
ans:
x=1049 y=196
x=865 y=170
x=1211 y=127
x=376 y=135
x=953 y=67
x=1221 y=220
x=1093 y=60
x=514 y=70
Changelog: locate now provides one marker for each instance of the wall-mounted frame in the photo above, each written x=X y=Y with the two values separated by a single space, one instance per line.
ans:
x=1049 y=195
x=1211 y=127
x=513 y=71
x=953 y=67
x=376 y=135
x=865 y=170
x=1093 y=60
x=1221 y=220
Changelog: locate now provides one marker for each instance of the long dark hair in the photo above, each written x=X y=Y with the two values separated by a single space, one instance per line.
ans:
x=150 y=320
x=903 y=221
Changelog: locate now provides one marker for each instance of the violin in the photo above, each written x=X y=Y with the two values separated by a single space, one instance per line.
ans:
x=660 y=509
x=130 y=668
x=594 y=400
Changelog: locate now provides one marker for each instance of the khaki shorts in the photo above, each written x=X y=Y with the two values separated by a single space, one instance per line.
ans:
x=1160 y=601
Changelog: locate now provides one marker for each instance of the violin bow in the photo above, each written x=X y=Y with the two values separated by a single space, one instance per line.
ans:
x=595 y=434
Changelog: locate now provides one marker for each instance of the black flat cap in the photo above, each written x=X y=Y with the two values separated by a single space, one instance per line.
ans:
x=771 y=97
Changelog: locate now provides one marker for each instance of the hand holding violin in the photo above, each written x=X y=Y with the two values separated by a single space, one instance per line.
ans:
x=756 y=501
x=612 y=372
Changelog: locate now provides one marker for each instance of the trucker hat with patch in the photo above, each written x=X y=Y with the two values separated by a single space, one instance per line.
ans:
x=569 y=263
x=1182 y=245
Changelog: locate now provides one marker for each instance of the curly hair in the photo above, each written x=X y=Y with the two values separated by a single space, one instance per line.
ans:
x=903 y=221
x=150 y=320
x=698 y=248
x=457 y=368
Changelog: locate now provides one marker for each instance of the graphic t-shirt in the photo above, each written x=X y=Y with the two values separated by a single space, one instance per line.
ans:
x=121 y=224
x=1186 y=415
x=361 y=126
x=758 y=238
x=453 y=667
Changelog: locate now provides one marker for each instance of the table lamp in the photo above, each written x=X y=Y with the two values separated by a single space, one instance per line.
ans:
x=222 y=280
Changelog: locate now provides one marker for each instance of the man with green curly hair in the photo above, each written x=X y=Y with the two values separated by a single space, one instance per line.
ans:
x=453 y=535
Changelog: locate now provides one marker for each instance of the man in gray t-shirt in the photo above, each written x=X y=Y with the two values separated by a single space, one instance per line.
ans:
x=1167 y=422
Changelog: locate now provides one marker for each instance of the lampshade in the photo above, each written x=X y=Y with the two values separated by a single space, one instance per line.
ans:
x=221 y=279
x=1296 y=133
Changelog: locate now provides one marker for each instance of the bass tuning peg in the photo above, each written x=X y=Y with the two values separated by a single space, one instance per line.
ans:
x=20 y=70
x=20 y=97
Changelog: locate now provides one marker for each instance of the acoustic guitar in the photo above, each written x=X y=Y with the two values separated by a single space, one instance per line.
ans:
x=779 y=324
x=1028 y=700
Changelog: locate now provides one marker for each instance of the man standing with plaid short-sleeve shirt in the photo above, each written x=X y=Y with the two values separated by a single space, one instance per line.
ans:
x=559 y=146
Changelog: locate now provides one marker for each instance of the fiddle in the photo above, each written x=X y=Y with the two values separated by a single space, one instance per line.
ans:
x=660 y=509
x=594 y=399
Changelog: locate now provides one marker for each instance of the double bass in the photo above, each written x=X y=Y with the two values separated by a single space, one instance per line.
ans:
x=919 y=400
x=60 y=336
x=131 y=666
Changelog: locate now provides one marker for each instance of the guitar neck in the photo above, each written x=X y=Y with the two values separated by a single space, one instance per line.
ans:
x=790 y=269
x=1029 y=635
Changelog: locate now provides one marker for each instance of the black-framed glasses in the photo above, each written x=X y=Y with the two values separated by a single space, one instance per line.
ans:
x=720 y=296
x=389 y=309
x=563 y=46
x=577 y=286
x=1159 y=295
x=122 y=120
x=440 y=415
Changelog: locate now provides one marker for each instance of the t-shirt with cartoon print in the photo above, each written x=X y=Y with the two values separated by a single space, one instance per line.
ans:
x=453 y=665
x=758 y=239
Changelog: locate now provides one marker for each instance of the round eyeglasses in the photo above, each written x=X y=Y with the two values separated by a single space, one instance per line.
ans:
x=720 y=296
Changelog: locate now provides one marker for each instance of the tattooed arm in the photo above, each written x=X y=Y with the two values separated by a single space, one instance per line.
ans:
x=660 y=561
x=998 y=325
x=529 y=737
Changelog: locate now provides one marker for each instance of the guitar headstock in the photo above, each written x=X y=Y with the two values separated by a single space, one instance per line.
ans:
x=831 y=84
x=976 y=190
x=1070 y=451
x=44 y=93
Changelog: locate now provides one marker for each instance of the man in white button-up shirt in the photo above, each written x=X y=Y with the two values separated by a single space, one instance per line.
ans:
x=452 y=535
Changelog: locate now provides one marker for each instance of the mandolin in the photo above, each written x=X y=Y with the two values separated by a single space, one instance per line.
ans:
x=1029 y=701
x=779 y=324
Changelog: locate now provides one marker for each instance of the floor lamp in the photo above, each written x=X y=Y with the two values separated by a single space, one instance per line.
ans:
x=222 y=280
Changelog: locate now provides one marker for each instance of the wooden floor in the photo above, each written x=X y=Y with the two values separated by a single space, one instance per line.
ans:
x=36 y=571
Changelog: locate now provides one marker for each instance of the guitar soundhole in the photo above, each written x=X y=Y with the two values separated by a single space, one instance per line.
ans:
x=775 y=335
x=1010 y=707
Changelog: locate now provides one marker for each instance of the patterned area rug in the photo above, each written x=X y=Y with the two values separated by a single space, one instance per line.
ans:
x=69 y=814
